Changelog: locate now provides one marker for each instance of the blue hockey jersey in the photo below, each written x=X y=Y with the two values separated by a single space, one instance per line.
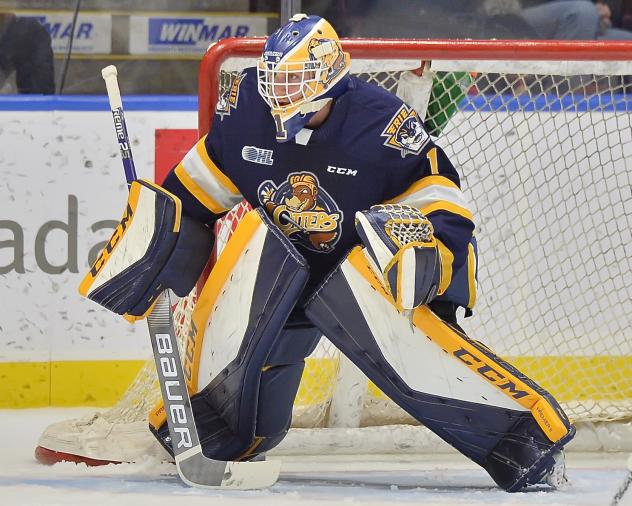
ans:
x=371 y=149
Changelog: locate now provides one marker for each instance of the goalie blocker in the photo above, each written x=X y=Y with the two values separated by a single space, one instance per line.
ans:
x=153 y=248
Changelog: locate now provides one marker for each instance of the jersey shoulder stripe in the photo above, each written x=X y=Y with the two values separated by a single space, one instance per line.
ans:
x=201 y=176
x=431 y=190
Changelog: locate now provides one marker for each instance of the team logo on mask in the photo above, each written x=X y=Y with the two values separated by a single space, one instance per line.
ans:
x=228 y=99
x=303 y=211
x=329 y=53
x=405 y=132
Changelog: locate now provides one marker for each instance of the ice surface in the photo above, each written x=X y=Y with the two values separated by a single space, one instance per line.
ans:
x=304 y=481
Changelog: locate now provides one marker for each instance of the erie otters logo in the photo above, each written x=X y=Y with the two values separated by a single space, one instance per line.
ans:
x=303 y=211
x=228 y=99
x=405 y=132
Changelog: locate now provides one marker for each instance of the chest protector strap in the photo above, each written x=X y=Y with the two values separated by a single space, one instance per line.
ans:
x=457 y=387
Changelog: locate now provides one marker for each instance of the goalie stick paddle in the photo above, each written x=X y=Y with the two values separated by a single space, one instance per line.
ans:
x=623 y=496
x=193 y=466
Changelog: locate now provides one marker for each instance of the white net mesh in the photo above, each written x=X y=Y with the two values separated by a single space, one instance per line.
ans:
x=546 y=170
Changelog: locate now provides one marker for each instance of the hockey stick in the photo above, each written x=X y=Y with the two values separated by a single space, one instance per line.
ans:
x=193 y=467
x=625 y=487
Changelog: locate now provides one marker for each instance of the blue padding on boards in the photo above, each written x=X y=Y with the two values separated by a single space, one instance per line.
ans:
x=547 y=102
x=507 y=443
x=97 y=103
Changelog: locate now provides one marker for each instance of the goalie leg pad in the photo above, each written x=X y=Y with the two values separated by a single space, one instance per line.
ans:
x=455 y=386
x=154 y=247
x=243 y=365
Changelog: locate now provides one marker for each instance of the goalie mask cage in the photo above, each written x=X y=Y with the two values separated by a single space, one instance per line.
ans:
x=541 y=134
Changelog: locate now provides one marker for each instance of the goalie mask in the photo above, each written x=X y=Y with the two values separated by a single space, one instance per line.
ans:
x=301 y=69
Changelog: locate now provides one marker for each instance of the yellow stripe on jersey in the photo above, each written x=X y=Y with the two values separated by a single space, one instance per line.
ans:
x=443 y=205
x=203 y=178
x=420 y=185
x=210 y=165
x=437 y=193
x=447 y=260
x=429 y=190
x=471 y=275
x=197 y=191
x=423 y=184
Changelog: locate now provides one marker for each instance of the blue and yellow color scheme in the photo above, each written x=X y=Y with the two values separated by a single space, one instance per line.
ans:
x=303 y=211
x=228 y=100
x=405 y=132
x=242 y=367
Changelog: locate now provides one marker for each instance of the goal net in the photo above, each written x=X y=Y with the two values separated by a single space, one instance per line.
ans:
x=541 y=134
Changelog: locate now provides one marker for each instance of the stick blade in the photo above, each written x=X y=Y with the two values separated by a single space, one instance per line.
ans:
x=251 y=475
x=199 y=471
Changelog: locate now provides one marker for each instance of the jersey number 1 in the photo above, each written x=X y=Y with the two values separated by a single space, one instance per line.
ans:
x=281 y=132
x=432 y=158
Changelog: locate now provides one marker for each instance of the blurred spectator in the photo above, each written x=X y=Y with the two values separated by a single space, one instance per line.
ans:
x=565 y=19
x=625 y=15
x=621 y=13
x=418 y=19
x=475 y=19
x=25 y=48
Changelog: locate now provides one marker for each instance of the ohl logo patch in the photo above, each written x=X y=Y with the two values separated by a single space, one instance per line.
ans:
x=228 y=99
x=303 y=211
x=405 y=132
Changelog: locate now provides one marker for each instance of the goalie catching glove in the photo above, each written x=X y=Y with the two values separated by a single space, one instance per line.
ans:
x=153 y=248
x=400 y=240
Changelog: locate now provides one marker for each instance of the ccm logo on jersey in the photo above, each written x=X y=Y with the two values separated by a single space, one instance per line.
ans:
x=341 y=170
x=257 y=155
x=168 y=370
x=405 y=132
